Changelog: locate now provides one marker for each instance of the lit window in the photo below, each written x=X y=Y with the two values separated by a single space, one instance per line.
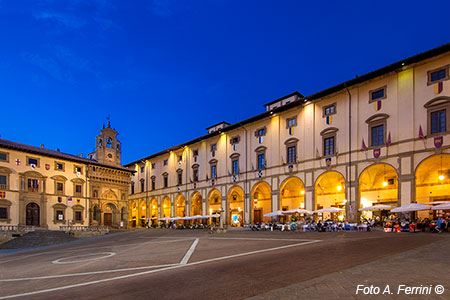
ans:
x=213 y=171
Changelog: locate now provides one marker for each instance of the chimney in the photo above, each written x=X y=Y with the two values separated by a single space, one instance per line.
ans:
x=80 y=155
x=42 y=146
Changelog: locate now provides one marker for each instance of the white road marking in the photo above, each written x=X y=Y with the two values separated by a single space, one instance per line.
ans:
x=154 y=271
x=63 y=260
x=88 y=273
x=259 y=239
x=189 y=252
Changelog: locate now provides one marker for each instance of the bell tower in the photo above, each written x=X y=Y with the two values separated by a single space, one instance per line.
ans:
x=107 y=148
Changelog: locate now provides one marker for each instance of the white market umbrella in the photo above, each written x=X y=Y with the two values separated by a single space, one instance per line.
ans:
x=443 y=206
x=376 y=207
x=411 y=207
x=274 y=214
x=297 y=211
x=213 y=216
x=437 y=202
x=329 y=210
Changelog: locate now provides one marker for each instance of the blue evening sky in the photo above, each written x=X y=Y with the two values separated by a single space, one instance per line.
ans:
x=166 y=69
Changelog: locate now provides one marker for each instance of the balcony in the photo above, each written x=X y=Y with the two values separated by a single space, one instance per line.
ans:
x=3 y=187
x=33 y=189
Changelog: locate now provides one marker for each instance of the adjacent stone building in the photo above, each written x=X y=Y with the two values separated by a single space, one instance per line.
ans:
x=380 y=138
x=46 y=188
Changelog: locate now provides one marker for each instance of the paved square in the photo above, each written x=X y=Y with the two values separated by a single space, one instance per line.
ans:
x=170 y=264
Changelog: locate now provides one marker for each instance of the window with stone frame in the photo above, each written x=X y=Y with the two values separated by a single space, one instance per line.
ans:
x=438 y=112
x=291 y=122
x=329 y=141
x=329 y=110
x=59 y=212
x=59 y=166
x=377 y=127
x=4 y=156
x=142 y=181
x=261 y=157
x=78 y=213
x=179 y=177
x=195 y=172
x=4 y=178
x=438 y=75
x=153 y=179
x=377 y=94
x=165 y=180
x=33 y=161
x=291 y=150
x=5 y=206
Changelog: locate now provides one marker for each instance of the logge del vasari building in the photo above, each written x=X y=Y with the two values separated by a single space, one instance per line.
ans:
x=48 y=189
x=395 y=120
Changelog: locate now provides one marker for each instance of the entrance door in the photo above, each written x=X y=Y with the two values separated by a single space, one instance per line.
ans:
x=257 y=216
x=108 y=219
x=32 y=214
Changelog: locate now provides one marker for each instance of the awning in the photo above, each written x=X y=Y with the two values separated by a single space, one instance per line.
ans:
x=411 y=207
x=297 y=211
x=376 y=207
x=329 y=210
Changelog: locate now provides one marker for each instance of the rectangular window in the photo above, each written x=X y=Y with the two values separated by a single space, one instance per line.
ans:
x=78 y=216
x=235 y=165
x=261 y=132
x=377 y=94
x=438 y=121
x=132 y=188
x=32 y=161
x=329 y=110
x=180 y=157
x=165 y=162
x=153 y=165
x=78 y=169
x=33 y=185
x=166 y=181
x=213 y=147
x=195 y=153
x=78 y=189
x=328 y=146
x=59 y=187
x=59 y=166
x=3 y=156
x=142 y=169
x=3 y=182
x=180 y=178
x=438 y=75
x=59 y=215
x=377 y=135
x=142 y=186
x=261 y=161
x=195 y=175
x=234 y=140
x=291 y=154
x=213 y=171
x=153 y=183
x=3 y=213
x=292 y=122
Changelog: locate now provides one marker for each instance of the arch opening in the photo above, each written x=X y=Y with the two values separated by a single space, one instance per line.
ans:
x=261 y=202
x=330 y=192
x=235 y=211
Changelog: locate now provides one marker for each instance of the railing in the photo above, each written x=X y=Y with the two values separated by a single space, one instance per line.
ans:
x=22 y=228
x=33 y=189
x=84 y=228
x=2 y=186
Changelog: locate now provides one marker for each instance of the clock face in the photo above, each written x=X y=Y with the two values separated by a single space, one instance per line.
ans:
x=109 y=155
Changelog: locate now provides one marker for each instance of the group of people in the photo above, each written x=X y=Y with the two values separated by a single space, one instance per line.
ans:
x=438 y=225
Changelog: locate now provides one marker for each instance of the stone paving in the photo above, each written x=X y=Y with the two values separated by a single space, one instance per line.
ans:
x=426 y=265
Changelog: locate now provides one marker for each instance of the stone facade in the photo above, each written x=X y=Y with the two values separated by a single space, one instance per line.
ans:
x=48 y=188
x=380 y=138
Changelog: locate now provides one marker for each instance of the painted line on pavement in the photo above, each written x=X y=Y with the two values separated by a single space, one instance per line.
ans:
x=189 y=252
x=154 y=271
x=63 y=260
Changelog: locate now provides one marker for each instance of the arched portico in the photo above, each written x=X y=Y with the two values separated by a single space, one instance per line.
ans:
x=261 y=202
x=235 y=211
x=329 y=191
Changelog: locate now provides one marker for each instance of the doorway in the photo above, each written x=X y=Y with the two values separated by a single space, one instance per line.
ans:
x=32 y=214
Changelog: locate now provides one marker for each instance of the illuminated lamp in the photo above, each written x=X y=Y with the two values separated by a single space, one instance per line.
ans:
x=339 y=188
x=154 y=206
x=255 y=201
x=384 y=183
x=441 y=177
x=302 y=192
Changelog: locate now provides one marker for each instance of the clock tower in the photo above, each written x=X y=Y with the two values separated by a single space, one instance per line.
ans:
x=108 y=148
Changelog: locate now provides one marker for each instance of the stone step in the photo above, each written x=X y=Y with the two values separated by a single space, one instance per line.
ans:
x=38 y=238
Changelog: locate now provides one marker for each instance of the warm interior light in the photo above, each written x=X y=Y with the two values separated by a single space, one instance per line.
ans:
x=164 y=206
x=385 y=183
x=239 y=209
x=154 y=206
x=441 y=177
x=302 y=192
x=339 y=188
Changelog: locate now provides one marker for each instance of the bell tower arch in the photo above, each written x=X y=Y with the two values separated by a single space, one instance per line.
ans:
x=108 y=149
